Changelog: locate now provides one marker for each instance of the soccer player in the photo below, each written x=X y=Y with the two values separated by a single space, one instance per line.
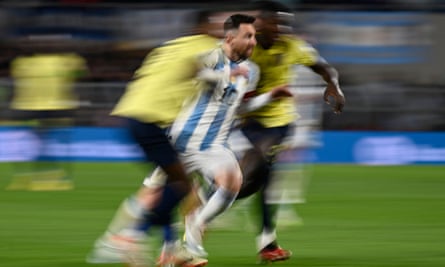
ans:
x=151 y=103
x=201 y=131
x=267 y=127
x=44 y=79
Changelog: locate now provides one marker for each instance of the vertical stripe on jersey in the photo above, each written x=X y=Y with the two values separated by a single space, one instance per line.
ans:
x=193 y=121
x=220 y=116
x=215 y=126
x=195 y=117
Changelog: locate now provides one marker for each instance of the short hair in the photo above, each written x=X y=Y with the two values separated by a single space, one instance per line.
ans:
x=203 y=15
x=234 y=21
x=267 y=8
x=269 y=5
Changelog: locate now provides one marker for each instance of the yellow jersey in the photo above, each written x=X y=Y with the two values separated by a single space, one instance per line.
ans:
x=275 y=69
x=165 y=79
x=45 y=81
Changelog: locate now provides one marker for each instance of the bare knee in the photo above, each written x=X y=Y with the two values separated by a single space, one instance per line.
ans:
x=231 y=181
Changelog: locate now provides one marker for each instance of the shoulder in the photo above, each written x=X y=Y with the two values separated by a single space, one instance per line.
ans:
x=291 y=39
x=196 y=41
x=212 y=57
x=212 y=53
x=297 y=42
x=18 y=60
x=73 y=58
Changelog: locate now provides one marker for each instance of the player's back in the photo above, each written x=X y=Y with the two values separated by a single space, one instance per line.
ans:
x=164 y=80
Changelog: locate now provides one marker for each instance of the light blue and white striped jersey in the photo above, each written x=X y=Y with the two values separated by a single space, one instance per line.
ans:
x=207 y=118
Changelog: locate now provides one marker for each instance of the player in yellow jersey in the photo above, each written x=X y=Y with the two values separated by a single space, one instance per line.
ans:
x=267 y=127
x=44 y=78
x=151 y=103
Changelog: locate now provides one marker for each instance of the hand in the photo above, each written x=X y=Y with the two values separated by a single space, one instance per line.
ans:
x=281 y=91
x=334 y=91
x=240 y=70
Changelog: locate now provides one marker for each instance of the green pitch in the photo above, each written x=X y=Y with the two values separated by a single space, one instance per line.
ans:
x=355 y=216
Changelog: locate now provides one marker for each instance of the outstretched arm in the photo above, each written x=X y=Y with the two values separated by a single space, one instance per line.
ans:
x=333 y=90
x=251 y=103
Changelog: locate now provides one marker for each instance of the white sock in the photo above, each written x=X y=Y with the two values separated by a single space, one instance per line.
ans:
x=129 y=213
x=265 y=238
x=221 y=200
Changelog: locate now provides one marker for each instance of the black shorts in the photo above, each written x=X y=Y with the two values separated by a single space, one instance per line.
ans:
x=154 y=142
x=42 y=114
x=264 y=138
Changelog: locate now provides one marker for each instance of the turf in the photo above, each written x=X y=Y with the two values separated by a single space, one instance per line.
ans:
x=355 y=216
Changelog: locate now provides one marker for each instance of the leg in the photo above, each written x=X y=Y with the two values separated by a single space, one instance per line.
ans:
x=267 y=142
x=225 y=175
x=109 y=248
x=158 y=149
x=155 y=205
x=253 y=166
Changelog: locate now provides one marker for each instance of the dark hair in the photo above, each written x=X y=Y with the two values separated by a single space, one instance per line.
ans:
x=271 y=6
x=203 y=15
x=268 y=8
x=234 y=21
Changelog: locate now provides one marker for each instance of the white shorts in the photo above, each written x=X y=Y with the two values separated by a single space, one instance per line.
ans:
x=207 y=163
x=238 y=142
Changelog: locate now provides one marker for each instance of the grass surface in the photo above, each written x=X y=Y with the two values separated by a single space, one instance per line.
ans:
x=354 y=216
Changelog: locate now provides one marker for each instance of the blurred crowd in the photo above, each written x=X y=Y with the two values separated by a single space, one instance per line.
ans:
x=390 y=60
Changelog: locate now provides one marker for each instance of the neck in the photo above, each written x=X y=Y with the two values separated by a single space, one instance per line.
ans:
x=229 y=53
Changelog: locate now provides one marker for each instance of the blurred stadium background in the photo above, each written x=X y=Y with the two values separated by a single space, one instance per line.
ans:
x=390 y=56
x=390 y=53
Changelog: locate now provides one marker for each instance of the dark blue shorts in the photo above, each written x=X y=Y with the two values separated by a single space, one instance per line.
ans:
x=264 y=138
x=154 y=142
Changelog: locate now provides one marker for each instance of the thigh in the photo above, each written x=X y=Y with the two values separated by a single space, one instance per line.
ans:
x=214 y=161
x=265 y=140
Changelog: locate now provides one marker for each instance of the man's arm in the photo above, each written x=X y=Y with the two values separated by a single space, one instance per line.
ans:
x=330 y=76
x=253 y=102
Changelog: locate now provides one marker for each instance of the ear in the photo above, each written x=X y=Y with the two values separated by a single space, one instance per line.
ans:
x=230 y=37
